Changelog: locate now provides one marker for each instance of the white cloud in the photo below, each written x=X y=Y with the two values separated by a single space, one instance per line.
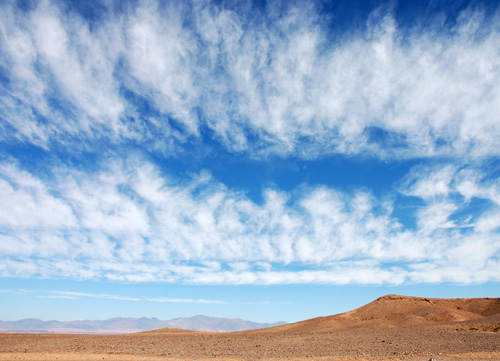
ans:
x=489 y=221
x=26 y=196
x=435 y=184
x=71 y=295
x=183 y=300
x=128 y=221
x=102 y=205
x=58 y=60
x=436 y=215
x=264 y=86
x=160 y=56
x=470 y=184
x=95 y=295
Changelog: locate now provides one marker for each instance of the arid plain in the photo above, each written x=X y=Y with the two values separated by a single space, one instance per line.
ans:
x=389 y=328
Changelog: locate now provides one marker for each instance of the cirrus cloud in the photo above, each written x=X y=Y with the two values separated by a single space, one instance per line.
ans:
x=263 y=85
x=128 y=221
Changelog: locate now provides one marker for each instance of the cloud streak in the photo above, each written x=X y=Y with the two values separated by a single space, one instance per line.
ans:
x=71 y=295
x=262 y=85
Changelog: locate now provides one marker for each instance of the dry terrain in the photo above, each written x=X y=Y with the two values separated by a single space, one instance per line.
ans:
x=389 y=328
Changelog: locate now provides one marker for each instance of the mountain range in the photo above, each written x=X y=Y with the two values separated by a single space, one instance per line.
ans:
x=128 y=324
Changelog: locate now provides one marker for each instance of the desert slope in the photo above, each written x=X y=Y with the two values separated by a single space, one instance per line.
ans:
x=403 y=311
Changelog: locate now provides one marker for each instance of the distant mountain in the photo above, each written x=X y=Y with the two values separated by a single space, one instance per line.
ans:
x=126 y=325
x=205 y=323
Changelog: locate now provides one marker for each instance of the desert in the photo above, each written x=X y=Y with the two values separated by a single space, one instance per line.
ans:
x=391 y=327
x=249 y=180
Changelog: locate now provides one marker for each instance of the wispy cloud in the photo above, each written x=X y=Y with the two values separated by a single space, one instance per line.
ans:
x=128 y=221
x=263 y=85
x=73 y=295
x=128 y=298
x=57 y=297
x=183 y=300
x=94 y=295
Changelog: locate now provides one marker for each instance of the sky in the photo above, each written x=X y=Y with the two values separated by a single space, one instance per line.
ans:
x=269 y=160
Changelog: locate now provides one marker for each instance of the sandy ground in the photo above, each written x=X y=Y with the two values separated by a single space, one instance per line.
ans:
x=387 y=329
x=95 y=357
x=441 y=343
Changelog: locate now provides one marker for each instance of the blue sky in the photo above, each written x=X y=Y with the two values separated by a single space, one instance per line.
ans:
x=264 y=160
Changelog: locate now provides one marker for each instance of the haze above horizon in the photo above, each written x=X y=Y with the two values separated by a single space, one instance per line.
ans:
x=264 y=160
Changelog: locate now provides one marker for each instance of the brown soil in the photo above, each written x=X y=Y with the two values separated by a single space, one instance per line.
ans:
x=389 y=328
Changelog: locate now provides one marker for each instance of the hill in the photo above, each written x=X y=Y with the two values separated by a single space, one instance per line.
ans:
x=404 y=311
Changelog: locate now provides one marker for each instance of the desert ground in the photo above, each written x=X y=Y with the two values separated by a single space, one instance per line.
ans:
x=389 y=328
